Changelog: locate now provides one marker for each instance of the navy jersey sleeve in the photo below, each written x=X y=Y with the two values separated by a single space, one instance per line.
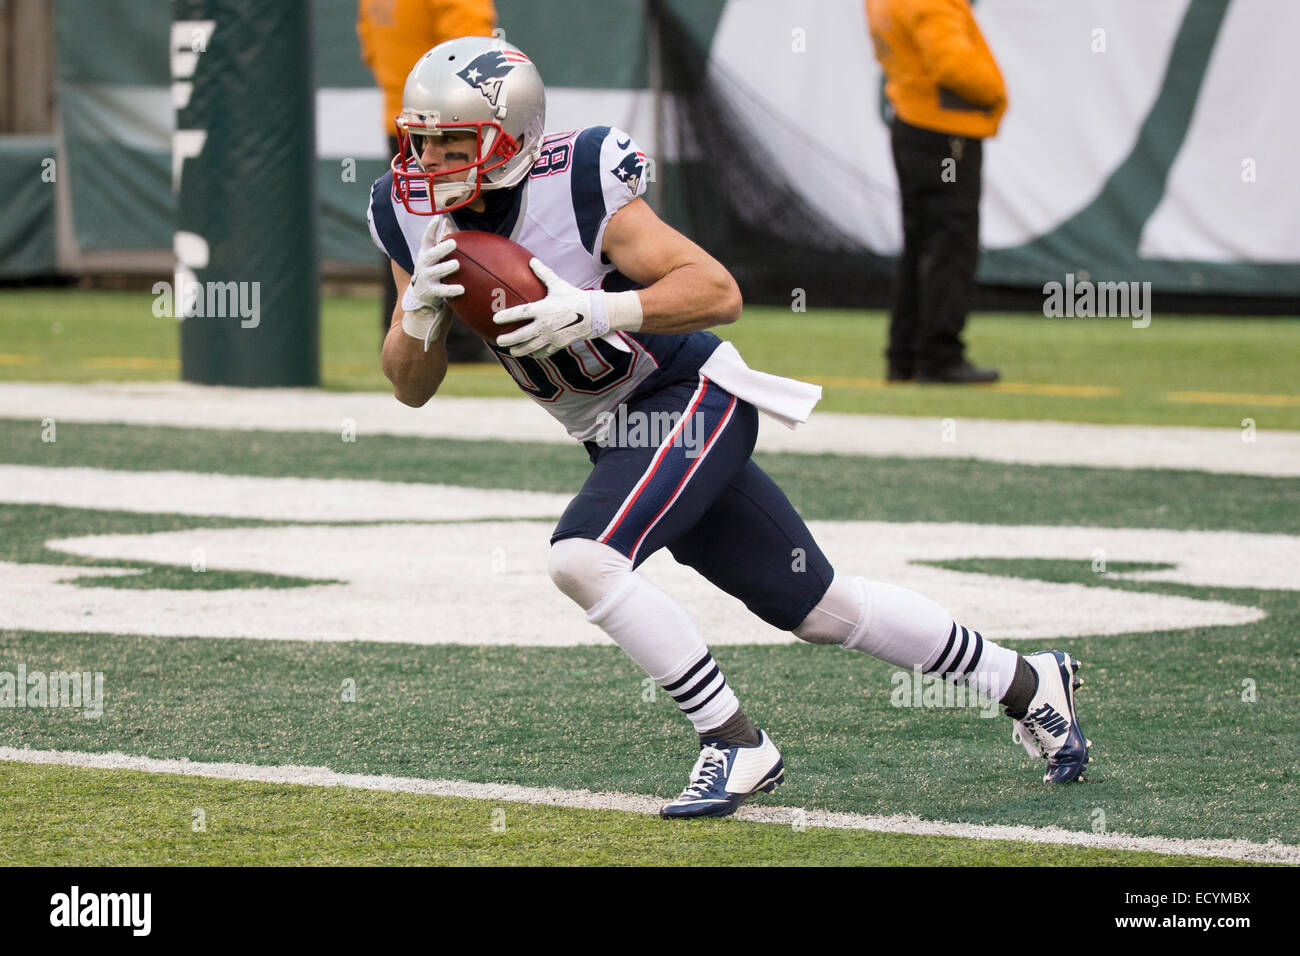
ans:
x=609 y=171
x=384 y=230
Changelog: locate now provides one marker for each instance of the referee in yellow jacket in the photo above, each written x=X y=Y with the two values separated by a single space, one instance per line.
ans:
x=948 y=95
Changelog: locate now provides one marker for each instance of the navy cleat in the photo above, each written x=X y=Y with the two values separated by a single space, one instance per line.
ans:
x=1050 y=727
x=724 y=776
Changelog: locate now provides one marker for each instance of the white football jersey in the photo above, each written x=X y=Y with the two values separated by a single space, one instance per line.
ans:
x=559 y=214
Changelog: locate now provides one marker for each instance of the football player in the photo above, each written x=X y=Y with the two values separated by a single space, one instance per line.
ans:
x=621 y=333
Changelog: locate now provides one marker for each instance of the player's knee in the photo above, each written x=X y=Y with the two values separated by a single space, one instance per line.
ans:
x=810 y=631
x=586 y=570
x=840 y=615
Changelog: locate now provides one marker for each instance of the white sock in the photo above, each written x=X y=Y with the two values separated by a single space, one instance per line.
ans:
x=910 y=630
x=652 y=628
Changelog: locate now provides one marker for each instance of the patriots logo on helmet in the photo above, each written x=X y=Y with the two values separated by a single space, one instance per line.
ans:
x=486 y=71
x=630 y=170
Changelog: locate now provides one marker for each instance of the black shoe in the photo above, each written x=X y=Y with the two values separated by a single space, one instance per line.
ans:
x=899 y=375
x=962 y=374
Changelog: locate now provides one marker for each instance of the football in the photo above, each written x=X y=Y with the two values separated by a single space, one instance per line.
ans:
x=496 y=276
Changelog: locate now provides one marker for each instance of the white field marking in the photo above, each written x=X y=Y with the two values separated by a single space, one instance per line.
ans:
x=184 y=405
x=287 y=499
x=487 y=583
x=1271 y=852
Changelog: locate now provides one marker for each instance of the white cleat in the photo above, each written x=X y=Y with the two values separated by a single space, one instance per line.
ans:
x=1050 y=727
x=724 y=776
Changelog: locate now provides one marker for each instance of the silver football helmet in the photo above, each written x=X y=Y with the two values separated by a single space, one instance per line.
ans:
x=482 y=85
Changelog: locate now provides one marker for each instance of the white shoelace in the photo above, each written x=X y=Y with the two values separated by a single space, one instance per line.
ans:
x=1022 y=735
x=707 y=766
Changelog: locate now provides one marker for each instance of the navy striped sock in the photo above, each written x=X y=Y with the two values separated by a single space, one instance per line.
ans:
x=702 y=693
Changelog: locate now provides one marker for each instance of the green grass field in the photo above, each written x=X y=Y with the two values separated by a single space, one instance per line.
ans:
x=1182 y=370
x=255 y=824
x=1181 y=752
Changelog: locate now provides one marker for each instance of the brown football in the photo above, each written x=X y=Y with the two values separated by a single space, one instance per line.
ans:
x=496 y=276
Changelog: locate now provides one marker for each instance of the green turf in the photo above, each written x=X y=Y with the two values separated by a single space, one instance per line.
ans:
x=1178 y=752
x=1176 y=353
x=821 y=486
x=60 y=330
x=25 y=529
x=64 y=816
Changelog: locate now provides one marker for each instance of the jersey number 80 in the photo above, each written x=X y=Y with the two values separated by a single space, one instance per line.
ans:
x=591 y=367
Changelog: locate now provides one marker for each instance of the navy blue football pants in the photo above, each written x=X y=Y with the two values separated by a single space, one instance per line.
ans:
x=696 y=492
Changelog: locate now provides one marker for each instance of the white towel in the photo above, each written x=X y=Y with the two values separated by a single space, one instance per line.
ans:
x=788 y=400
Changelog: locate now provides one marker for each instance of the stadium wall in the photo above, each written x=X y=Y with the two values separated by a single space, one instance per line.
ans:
x=1144 y=141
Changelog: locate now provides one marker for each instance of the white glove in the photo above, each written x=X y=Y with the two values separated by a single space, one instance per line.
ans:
x=424 y=303
x=567 y=315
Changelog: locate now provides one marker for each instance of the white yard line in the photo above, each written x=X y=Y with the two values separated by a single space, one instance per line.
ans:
x=390 y=577
x=1271 y=452
x=282 y=499
x=1271 y=852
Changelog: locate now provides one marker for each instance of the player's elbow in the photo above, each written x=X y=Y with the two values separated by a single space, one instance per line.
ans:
x=730 y=301
x=415 y=394
x=410 y=389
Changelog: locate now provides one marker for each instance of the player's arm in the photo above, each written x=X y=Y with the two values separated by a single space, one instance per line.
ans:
x=415 y=373
x=686 y=289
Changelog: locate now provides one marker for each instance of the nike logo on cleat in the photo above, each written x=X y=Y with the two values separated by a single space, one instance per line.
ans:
x=1047 y=718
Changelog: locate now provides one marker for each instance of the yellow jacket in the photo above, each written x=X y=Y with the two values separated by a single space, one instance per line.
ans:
x=396 y=33
x=939 y=72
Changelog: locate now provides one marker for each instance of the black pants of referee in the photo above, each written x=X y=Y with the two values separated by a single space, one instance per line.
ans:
x=941 y=229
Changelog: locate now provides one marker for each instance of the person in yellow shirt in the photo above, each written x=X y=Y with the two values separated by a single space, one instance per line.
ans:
x=394 y=34
x=947 y=96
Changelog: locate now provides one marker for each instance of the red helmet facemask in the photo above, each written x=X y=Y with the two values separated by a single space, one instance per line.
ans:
x=412 y=185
